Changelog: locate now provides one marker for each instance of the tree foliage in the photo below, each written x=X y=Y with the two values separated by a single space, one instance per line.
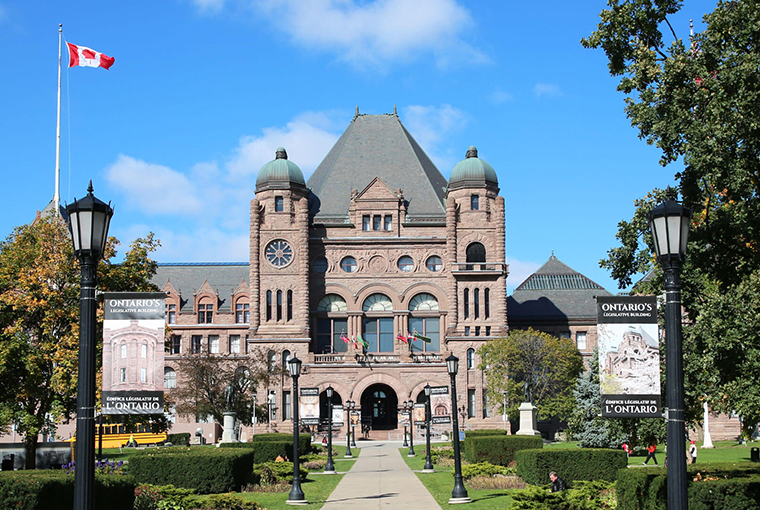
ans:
x=39 y=321
x=698 y=101
x=535 y=365
x=204 y=378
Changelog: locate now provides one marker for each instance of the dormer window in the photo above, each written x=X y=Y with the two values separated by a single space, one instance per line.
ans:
x=205 y=313
x=388 y=223
x=474 y=202
x=376 y=222
x=171 y=313
x=279 y=204
x=365 y=222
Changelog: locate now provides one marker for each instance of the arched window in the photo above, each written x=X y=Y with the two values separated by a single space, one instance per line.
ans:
x=289 y=315
x=476 y=252
x=466 y=303
x=424 y=323
x=170 y=378
x=476 y=302
x=285 y=359
x=378 y=330
x=279 y=305
x=487 y=303
x=332 y=324
x=205 y=311
x=377 y=302
x=269 y=305
x=272 y=360
x=242 y=312
x=470 y=359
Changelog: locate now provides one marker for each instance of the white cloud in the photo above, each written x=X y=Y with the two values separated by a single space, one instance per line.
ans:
x=307 y=139
x=546 y=89
x=519 y=271
x=430 y=126
x=151 y=188
x=375 y=33
x=499 y=96
x=209 y=5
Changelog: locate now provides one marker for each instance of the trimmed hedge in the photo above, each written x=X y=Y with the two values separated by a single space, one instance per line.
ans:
x=207 y=470
x=500 y=449
x=484 y=432
x=267 y=447
x=182 y=438
x=45 y=489
x=716 y=486
x=588 y=464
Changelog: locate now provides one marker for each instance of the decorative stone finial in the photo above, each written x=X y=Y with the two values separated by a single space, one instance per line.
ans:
x=357 y=110
x=472 y=152
x=394 y=111
x=281 y=153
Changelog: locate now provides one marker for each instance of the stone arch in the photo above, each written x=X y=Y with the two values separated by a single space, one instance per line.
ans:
x=475 y=237
x=378 y=378
x=430 y=288
x=377 y=288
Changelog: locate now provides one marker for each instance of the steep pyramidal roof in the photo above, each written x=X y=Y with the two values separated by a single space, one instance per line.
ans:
x=377 y=146
x=555 y=291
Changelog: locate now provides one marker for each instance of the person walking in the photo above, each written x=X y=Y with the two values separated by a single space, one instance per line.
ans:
x=627 y=450
x=693 y=452
x=651 y=449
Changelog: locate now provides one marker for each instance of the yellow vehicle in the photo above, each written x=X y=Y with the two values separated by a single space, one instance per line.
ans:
x=115 y=435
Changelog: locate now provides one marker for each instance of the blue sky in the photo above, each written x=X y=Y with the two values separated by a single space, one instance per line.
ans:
x=203 y=91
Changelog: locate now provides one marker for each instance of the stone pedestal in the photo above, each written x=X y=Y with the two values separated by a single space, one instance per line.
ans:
x=229 y=436
x=528 y=420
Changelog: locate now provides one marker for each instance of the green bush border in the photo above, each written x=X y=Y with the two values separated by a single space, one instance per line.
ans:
x=587 y=464
x=498 y=449
x=45 y=489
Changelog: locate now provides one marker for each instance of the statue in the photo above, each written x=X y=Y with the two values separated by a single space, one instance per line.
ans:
x=229 y=397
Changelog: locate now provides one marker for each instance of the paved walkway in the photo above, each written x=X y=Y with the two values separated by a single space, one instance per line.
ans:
x=379 y=479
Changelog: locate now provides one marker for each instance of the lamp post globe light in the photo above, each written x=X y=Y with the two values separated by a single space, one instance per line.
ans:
x=296 y=496
x=428 y=468
x=459 y=494
x=411 y=429
x=88 y=219
x=349 y=408
x=669 y=222
x=330 y=467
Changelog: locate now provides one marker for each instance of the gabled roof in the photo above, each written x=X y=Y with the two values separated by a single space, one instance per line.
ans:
x=555 y=292
x=376 y=146
x=224 y=278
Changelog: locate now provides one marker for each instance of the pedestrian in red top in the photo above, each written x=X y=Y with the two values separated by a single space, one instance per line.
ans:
x=626 y=450
x=650 y=454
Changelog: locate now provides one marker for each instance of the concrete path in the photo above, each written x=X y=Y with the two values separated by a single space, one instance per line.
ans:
x=380 y=479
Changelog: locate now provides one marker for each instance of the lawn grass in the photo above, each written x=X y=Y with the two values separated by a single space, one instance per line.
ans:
x=441 y=483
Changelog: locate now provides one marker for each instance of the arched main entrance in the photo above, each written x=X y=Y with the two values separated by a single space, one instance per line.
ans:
x=379 y=407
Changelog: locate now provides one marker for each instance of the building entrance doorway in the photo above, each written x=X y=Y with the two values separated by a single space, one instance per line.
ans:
x=379 y=407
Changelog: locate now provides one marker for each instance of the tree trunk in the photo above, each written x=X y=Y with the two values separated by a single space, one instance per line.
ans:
x=30 y=450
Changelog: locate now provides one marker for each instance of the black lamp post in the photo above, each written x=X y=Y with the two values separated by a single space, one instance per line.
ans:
x=411 y=429
x=428 y=468
x=349 y=408
x=296 y=496
x=459 y=494
x=669 y=222
x=89 y=219
x=330 y=467
x=353 y=427
x=406 y=415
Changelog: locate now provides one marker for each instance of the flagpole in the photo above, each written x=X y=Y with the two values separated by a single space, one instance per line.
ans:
x=56 y=194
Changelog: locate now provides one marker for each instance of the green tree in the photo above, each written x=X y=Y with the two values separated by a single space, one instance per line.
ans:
x=529 y=364
x=39 y=317
x=201 y=390
x=699 y=103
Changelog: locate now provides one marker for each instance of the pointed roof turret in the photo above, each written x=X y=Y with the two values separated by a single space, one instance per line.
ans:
x=377 y=146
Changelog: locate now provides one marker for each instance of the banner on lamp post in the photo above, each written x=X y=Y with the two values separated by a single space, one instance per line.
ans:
x=133 y=353
x=629 y=357
x=308 y=406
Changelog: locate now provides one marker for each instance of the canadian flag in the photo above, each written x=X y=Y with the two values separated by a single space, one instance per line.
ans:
x=86 y=57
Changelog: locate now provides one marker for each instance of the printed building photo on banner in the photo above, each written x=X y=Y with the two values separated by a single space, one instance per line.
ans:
x=133 y=353
x=629 y=356
x=308 y=406
x=440 y=404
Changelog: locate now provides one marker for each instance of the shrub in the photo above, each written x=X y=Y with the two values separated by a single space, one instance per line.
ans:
x=163 y=497
x=484 y=432
x=439 y=453
x=182 y=438
x=496 y=482
x=273 y=472
x=484 y=469
x=586 y=496
x=721 y=485
x=207 y=470
x=498 y=449
x=268 y=447
x=229 y=501
x=32 y=490
x=588 y=464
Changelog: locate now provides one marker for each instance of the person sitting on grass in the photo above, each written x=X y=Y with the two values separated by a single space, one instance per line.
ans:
x=558 y=484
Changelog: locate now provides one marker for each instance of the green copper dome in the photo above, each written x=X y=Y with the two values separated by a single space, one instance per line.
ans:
x=280 y=172
x=472 y=171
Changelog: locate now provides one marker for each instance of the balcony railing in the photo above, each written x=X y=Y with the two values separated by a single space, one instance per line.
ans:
x=375 y=357
x=479 y=267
